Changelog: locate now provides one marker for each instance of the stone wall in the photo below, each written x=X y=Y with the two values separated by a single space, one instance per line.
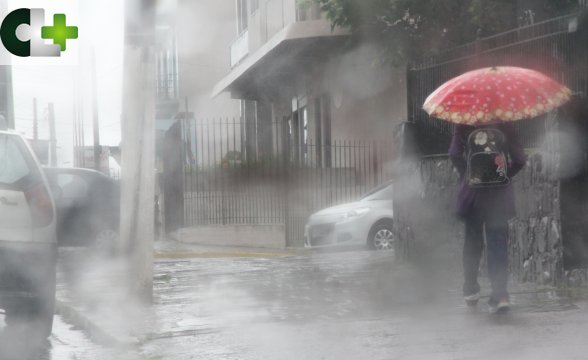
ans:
x=535 y=234
x=431 y=234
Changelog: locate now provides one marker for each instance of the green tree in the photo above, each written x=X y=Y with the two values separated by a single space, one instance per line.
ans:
x=411 y=29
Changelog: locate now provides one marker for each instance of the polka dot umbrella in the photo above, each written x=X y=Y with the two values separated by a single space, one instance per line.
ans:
x=495 y=95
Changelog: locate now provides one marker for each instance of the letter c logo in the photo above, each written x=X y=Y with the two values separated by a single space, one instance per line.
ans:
x=8 y=32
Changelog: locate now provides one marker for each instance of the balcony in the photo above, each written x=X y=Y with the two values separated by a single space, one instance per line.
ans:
x=284 y=55
x=240 y=48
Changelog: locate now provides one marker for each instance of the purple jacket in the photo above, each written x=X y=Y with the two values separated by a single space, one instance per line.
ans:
x=495 y=204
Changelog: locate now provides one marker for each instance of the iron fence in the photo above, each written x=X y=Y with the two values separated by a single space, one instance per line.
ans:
x=556 y=47
x=273 y=176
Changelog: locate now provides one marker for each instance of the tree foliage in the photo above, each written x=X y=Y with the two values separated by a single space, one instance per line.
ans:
x=410 y=29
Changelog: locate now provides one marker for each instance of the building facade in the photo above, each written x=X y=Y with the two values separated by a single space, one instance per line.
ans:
x=192 y=38
x=301 y=83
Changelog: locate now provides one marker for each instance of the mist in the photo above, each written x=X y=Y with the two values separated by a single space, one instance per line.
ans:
x=278 y=192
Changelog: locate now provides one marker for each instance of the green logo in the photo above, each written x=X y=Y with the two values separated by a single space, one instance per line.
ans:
x=23 y=41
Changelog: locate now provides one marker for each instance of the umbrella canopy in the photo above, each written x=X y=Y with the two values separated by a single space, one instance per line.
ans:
x=495 y=95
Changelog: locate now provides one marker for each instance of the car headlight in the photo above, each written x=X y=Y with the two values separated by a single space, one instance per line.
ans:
x=356 y=213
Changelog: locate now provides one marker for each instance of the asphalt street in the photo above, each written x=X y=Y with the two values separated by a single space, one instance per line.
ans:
x=339 y=305
x=348 y=305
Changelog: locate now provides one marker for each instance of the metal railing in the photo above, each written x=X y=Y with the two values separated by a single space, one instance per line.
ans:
x=231 y=178
x=552 y=47
x=274 y=15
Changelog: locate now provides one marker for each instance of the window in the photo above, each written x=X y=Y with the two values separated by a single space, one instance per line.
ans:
x=242 y=16
x=166 y=63
x=383 y=192
x=318 y=131
x=304 y=117
x=14 y=164
x=294 y=129
x=72 y=186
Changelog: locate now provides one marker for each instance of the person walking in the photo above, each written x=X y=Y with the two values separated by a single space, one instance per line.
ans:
x=485 y=212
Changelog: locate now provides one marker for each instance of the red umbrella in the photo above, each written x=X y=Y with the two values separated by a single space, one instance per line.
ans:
x=495 y=95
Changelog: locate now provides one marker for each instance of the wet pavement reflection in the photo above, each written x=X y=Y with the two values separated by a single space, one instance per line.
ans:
x=340 y=305
x=346 y=305
x=19 y=342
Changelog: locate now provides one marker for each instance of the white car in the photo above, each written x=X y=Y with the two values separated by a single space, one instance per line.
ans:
x=28 y=247
x=367 y=221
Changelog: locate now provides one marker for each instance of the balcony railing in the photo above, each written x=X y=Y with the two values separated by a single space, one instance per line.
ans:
x=274 y=15
x=307 y=11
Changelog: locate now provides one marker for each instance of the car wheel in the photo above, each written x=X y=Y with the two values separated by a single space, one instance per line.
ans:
x=105 y=239
x=382 y=237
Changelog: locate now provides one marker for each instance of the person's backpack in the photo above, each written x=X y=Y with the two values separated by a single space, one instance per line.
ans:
x=487 y=162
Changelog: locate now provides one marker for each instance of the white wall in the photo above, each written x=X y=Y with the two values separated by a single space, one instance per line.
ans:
x=205 y=30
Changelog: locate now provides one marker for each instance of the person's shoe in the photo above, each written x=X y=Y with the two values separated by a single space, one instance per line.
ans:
x=472 y=300
x=499 y=307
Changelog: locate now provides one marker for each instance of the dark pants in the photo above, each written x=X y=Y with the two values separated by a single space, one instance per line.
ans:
x=496 y=251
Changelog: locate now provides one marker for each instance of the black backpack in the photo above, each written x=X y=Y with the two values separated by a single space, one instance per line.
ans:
x=487 y=162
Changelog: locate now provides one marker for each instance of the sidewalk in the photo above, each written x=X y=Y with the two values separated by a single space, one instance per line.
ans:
x=91 y=296
x=170 y=249
x=91 y=291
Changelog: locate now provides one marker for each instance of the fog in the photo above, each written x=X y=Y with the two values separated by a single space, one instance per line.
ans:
x=68 y=83
x=238 y=229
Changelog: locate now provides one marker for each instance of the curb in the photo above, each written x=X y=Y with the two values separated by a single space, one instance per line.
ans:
x=253 y=253
x=218 y=254
x=76 y=318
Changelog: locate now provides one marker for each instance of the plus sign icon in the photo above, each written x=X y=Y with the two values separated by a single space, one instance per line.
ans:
x=24 y=33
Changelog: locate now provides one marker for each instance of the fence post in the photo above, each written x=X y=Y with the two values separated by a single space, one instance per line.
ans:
x=286 y=191
x=224 y=174
x=375 y=164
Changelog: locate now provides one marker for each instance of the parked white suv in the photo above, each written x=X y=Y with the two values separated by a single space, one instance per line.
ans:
x=28 y=247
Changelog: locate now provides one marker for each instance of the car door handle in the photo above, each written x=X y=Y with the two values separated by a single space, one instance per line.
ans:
x=5 y=201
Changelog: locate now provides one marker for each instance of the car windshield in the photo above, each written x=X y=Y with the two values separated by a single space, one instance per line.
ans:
x=383 y=192
x=15 y=161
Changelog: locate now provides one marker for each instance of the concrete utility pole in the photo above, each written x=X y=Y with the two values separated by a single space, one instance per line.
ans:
x=35 y=121
x=6 y=100
x=52 y=136
x=95 y=122
x=138 y=146
x=6 y=93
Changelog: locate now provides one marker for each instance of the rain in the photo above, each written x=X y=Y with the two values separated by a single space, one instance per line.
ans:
x=293 y=179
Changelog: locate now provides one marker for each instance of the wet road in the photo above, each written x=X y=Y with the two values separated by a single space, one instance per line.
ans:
x=353 y=305
x=345 y=305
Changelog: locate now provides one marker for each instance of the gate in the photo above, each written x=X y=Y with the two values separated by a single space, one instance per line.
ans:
x=231 y=180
